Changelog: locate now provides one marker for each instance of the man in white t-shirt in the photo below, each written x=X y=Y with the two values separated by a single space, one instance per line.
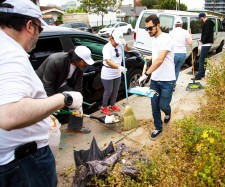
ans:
x=25 y=156
x=162 y=73
x=111 y=70
x=180 y=37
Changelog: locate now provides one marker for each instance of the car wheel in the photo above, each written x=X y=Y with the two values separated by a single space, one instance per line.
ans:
x=133 y=76
x=129 y=31
x=220 y=48
x=189 y=59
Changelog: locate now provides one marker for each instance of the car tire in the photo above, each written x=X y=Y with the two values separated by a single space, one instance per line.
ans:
x=129 y=31
x=132 y=78
x=189 y=59
x=220 y=48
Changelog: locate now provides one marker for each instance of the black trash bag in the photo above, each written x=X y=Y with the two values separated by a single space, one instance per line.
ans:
x=94 y=153
x=86 y=171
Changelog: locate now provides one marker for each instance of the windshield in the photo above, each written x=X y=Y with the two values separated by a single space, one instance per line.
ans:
x=111 y=25
x=49 y=21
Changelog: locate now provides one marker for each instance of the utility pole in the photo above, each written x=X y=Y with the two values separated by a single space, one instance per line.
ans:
x=134 y=8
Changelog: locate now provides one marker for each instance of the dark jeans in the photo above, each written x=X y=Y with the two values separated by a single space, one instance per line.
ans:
x=111 y=88
x=75 y=123
x=202 y=62
x=36 y=170
x=161 y=102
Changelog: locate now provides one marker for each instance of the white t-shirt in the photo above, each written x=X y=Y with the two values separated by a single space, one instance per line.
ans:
x=179 y=37
x=19 y=80
x=166 y=71
x=109 y=52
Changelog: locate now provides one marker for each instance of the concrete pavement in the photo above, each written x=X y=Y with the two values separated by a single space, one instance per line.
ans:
x=184 y=103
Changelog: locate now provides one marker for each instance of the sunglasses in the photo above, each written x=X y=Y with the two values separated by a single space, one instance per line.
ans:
x=150 y=28
x=40 y=29
x=117 y=54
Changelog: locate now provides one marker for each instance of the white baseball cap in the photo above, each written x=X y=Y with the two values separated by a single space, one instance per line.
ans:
x=118 y=36
x=178 y=21
x=84 y=53
x=23 y=7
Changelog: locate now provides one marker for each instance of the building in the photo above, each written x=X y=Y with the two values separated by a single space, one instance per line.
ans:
x=215 y=5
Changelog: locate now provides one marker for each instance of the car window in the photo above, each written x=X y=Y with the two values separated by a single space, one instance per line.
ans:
x=142 y=22
x=214 y=21
x=166 y=23
x=195 y=25
x=123 y=24
x=185 y=23
x=110 y=25
x=220 y=28
x=44 y=48
x=94 y=45
x=75 y=25
x=83 y=24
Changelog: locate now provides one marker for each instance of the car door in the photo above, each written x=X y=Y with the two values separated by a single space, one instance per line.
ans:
x=92 y=85
x=123 y=27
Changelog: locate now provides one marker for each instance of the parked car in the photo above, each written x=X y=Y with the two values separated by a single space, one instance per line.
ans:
x=143 y=42
x=78 y=26
x=124 y=27
x=58 y=39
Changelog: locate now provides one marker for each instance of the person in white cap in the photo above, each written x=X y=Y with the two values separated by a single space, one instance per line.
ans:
x=64 y=72
x=111 y=70
x=181 y=38
x=25 y=156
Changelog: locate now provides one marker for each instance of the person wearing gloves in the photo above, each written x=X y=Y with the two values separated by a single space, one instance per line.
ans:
x=180 y=37
x=206 y=43
x=25 y=156
x=64 y=72
x=112 y=69
x=162 y=73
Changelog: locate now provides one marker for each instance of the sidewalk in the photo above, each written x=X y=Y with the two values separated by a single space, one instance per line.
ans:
x=184 y=103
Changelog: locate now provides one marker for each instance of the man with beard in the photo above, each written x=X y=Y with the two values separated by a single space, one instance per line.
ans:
x=64 y=72
x=25 y=156
x=162 y=73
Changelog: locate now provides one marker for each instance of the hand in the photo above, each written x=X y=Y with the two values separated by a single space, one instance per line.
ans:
x=142 y=79
x=122 y=69
x=147 y=58
x=77 y=100
x=81 y=111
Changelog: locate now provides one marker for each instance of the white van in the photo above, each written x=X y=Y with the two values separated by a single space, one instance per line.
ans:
x=143 y=43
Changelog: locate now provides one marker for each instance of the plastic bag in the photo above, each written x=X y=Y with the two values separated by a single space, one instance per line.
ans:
x=54 y=135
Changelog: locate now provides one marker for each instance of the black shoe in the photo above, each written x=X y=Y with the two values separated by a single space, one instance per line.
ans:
x=83 y=130
x=155 y=134
x=196 y=78
x=167 y=118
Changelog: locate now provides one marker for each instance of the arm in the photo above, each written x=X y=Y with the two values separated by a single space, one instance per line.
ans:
x=112 y=64
x=158 y=61
x=15 y=115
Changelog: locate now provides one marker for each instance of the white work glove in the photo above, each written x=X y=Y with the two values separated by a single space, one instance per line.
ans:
x=142 y=79
x=81 y=111
x=77 y=100
x=122 y=69
x=147 y=58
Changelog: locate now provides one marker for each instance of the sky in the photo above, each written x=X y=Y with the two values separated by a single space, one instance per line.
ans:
x=191 y=4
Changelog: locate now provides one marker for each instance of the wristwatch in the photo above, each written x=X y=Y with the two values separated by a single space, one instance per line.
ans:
x=147 y=74
x=68 y=100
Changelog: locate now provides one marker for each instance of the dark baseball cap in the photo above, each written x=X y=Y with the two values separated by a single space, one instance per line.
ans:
x=201 y=15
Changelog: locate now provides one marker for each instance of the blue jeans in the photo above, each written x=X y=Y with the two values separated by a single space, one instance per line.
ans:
x=161 y=102
x=111 y=88
x=36 y=170
x=179 y=59
x=202 y=62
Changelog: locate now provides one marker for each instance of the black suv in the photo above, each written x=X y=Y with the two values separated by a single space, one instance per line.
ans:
x=79 y=26
x=58 y=39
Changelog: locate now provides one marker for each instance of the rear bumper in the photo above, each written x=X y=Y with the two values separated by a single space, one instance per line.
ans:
x=143 y=51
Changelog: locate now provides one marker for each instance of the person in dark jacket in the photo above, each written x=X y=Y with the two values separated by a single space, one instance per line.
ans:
x=64 y=72
x=206 y=41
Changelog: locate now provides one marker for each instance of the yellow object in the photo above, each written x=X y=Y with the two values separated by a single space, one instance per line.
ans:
x=129 y=119
x=194 y=86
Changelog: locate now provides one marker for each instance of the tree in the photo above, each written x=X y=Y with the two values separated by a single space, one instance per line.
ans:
x=99 y=7
x=149 y=3
x=170 y=5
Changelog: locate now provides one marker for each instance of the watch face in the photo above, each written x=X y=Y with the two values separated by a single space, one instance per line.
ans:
x=69 y=100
